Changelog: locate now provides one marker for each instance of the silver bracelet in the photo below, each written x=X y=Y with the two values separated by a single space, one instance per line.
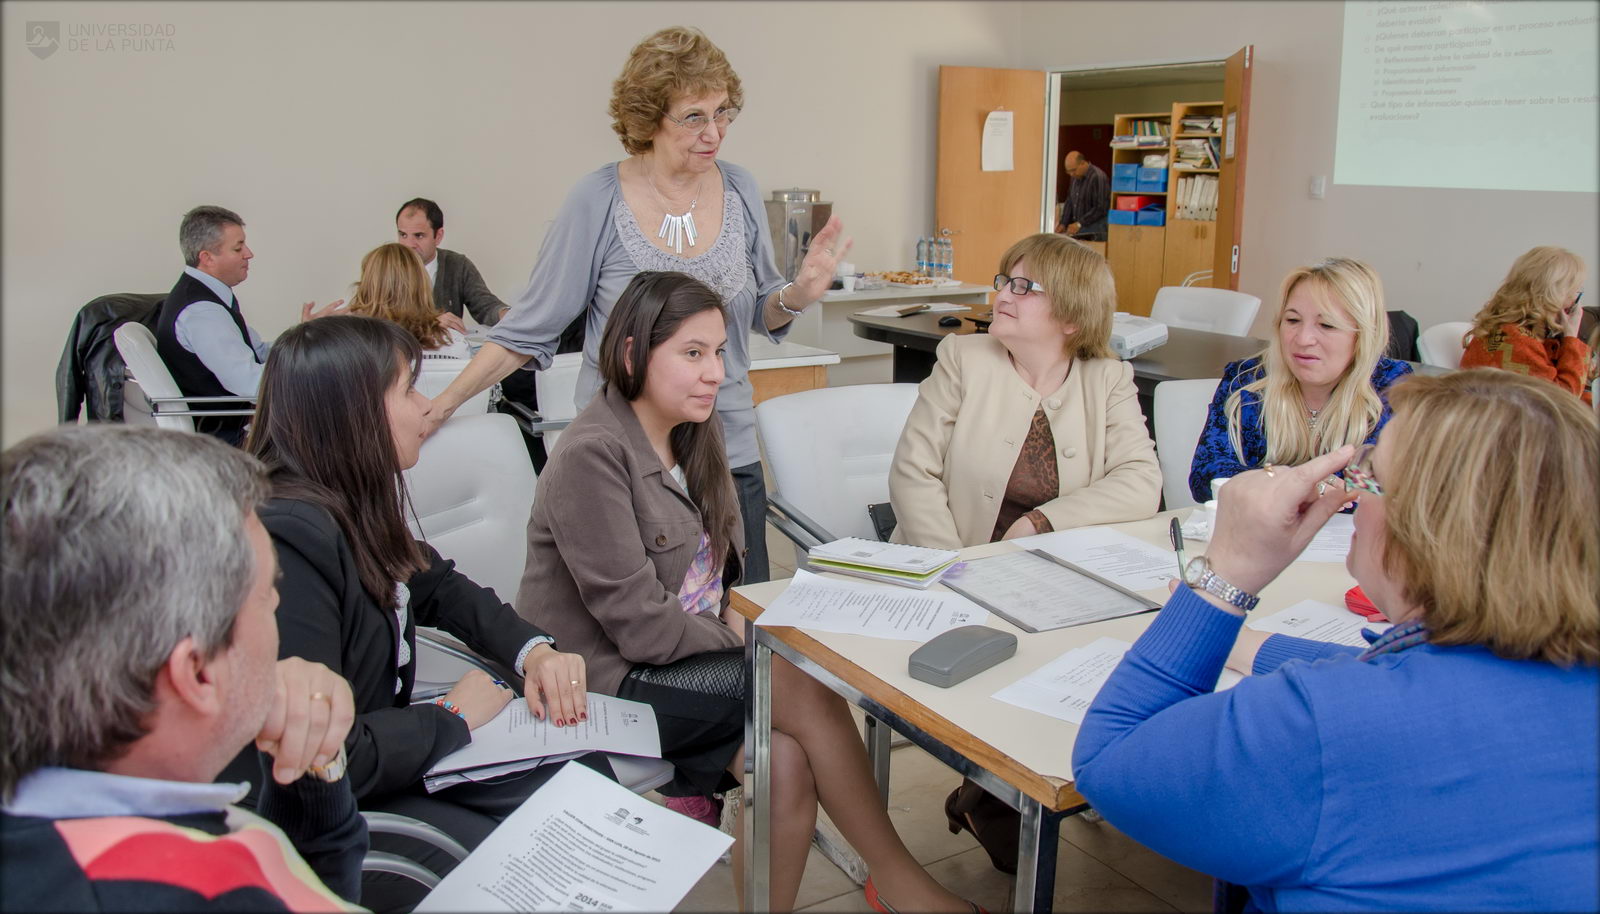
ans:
x=785 y=308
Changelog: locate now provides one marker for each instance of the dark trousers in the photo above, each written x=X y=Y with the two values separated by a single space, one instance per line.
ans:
x=752 y=489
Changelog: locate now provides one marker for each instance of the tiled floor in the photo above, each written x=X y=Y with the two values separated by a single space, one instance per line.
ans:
x=1097 y=867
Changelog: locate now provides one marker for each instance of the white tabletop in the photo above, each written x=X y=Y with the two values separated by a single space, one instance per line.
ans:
x=1040 y=743
x=924 y=293
x=765 y=354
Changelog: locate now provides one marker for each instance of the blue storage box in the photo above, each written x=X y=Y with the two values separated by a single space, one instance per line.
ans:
x=1151 y=179
x=1122 y=217
x=1125 y=178
x=1151 y=215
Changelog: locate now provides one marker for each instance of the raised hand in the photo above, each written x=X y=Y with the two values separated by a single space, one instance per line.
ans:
x=309 y=311
x=1265 y=518
x=827 y=251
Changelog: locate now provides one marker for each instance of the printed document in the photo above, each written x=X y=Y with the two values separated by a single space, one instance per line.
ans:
x=582 y=843
x=1119 y=558
x=1332 y=542
x=614 y=725
x=1065 y=687
x=997 y=141
x=1319 y=621
x=878 y=610
x=1038 y=592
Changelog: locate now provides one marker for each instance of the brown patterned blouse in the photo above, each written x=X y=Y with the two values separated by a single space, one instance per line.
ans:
x=1033 y=481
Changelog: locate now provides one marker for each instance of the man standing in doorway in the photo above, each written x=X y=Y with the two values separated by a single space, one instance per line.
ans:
x=1084 y=215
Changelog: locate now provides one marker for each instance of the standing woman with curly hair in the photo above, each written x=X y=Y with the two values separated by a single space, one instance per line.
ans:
x=1530 y=326
x=671 y=205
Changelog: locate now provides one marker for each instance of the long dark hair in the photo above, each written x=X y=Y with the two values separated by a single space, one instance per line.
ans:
x=650 y=311
x=323 y=431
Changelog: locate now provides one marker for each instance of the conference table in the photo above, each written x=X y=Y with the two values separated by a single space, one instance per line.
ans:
x=1021 y=757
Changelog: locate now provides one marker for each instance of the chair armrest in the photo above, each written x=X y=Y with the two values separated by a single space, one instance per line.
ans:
x=394 y=864
x=434 y=639
x=531 y=422
x=388 y=823
x=794 y=524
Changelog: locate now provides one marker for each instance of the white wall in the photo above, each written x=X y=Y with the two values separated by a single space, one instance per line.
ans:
x=1441 y=252
x=315 y=120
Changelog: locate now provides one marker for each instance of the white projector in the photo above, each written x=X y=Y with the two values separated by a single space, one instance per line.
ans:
x=1133 y=336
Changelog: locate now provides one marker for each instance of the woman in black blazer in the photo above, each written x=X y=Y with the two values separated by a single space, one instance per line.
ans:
x=337 y=422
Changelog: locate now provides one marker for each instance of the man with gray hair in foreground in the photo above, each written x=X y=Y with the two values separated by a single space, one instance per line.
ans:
x=140 y=650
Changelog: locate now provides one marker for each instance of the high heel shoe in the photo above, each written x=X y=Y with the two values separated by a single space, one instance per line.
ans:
x=994 y=824
x=876 y=902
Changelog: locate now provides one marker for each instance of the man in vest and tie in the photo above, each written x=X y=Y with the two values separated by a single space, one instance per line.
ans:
x=201 y=333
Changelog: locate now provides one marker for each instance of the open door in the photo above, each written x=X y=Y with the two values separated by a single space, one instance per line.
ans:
x=1230 y=180
x=985 y=212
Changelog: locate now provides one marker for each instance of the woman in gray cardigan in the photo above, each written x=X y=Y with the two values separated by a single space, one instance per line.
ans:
x=671 y=107
x=634 y=542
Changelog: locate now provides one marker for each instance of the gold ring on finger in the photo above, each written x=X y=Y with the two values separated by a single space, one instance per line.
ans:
x=1269 y=468
x=574 y=682
x=319 y=696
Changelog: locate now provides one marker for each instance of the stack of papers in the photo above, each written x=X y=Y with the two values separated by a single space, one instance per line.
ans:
x=891 y=563
x=515 y=740
x=850 y=608
x=1066 y=686
x=582 y=843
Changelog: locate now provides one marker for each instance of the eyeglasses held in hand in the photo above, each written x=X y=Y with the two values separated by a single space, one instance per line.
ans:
x=1020 y=285
x=1358 y=474
x=698 y=122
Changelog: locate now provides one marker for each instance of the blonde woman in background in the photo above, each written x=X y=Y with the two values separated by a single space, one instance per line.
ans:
x=1320 y=384
x=395 y=286
x=1530 y=326
x=1034 y=426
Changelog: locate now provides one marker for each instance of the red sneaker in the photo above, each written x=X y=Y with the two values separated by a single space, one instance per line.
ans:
x=700 y=809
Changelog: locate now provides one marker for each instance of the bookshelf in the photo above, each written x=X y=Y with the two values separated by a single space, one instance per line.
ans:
x=1144 y=258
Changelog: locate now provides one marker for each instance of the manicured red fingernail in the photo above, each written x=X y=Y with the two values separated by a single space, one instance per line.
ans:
x=583 y=717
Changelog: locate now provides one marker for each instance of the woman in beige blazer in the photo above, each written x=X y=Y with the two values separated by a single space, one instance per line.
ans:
x=1034 y=426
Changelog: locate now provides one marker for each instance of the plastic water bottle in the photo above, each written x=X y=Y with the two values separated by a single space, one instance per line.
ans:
x=944 y=257
x=950 y=257
x=922 y=256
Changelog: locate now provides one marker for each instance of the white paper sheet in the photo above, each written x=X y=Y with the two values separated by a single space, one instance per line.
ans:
x=614 y=725
x=878 y=610
x=1319 y=621
x=582 y=843
x=1064 y=687
x=997 y=132
x=1037 y=593
x=1332 y=542
x=1119 y=558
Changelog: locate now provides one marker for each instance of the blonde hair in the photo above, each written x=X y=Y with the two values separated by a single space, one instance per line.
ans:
x=1498 y=544
x=394 y=285
x=1353 y=409
x=673 y=63
x=1537 y=289
x=1078 y=282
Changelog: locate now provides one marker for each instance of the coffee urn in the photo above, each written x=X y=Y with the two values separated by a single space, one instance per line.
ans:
x=795 y=215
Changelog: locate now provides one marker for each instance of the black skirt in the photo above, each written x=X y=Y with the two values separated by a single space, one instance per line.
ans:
x=699 y=705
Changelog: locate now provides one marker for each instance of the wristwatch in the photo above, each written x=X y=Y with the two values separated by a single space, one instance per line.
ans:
x=332 y=771
x=1199 y=576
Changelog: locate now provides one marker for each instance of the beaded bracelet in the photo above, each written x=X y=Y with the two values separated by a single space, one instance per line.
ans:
x=785 y=308
x=449 y=706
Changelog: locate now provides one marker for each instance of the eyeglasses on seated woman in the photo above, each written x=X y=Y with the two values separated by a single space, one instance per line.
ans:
x=1452 y=764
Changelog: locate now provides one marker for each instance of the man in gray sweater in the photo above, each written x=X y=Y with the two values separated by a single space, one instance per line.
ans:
x=457 y=284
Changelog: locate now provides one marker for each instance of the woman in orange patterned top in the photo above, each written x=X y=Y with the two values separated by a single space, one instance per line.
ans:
x=1530 y=326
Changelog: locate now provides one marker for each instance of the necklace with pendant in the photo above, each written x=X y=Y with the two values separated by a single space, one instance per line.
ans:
x=1311 y=417
x=675 y=229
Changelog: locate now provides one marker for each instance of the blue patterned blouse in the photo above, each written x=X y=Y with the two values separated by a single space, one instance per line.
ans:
x=1214 y=457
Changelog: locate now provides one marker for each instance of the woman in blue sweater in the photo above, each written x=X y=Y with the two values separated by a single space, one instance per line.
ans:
x=1319 y=385
x=1452 y=765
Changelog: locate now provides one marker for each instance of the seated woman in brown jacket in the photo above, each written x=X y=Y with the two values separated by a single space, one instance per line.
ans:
x=1530 y=326
x=634 y=542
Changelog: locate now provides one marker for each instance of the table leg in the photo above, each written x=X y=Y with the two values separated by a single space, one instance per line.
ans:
x=1036 y=858
x=878 y=749
x=758 y=772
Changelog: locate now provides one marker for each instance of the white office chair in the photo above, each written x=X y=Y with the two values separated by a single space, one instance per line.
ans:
x=1441 y=346
x=472 y=489
x=155 y=398
x=1180 y=415
x=829 y=451
x=1200 y=308
x=557 y=390
x=436 y=374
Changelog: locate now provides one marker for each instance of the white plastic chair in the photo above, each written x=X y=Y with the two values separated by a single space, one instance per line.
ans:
x=436 y=374
x=1180 y=415
x=160 y=401
x=557 y=390
x=472 y=489
x=1441 y=346
x=828 y=451
x=1200 y=308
